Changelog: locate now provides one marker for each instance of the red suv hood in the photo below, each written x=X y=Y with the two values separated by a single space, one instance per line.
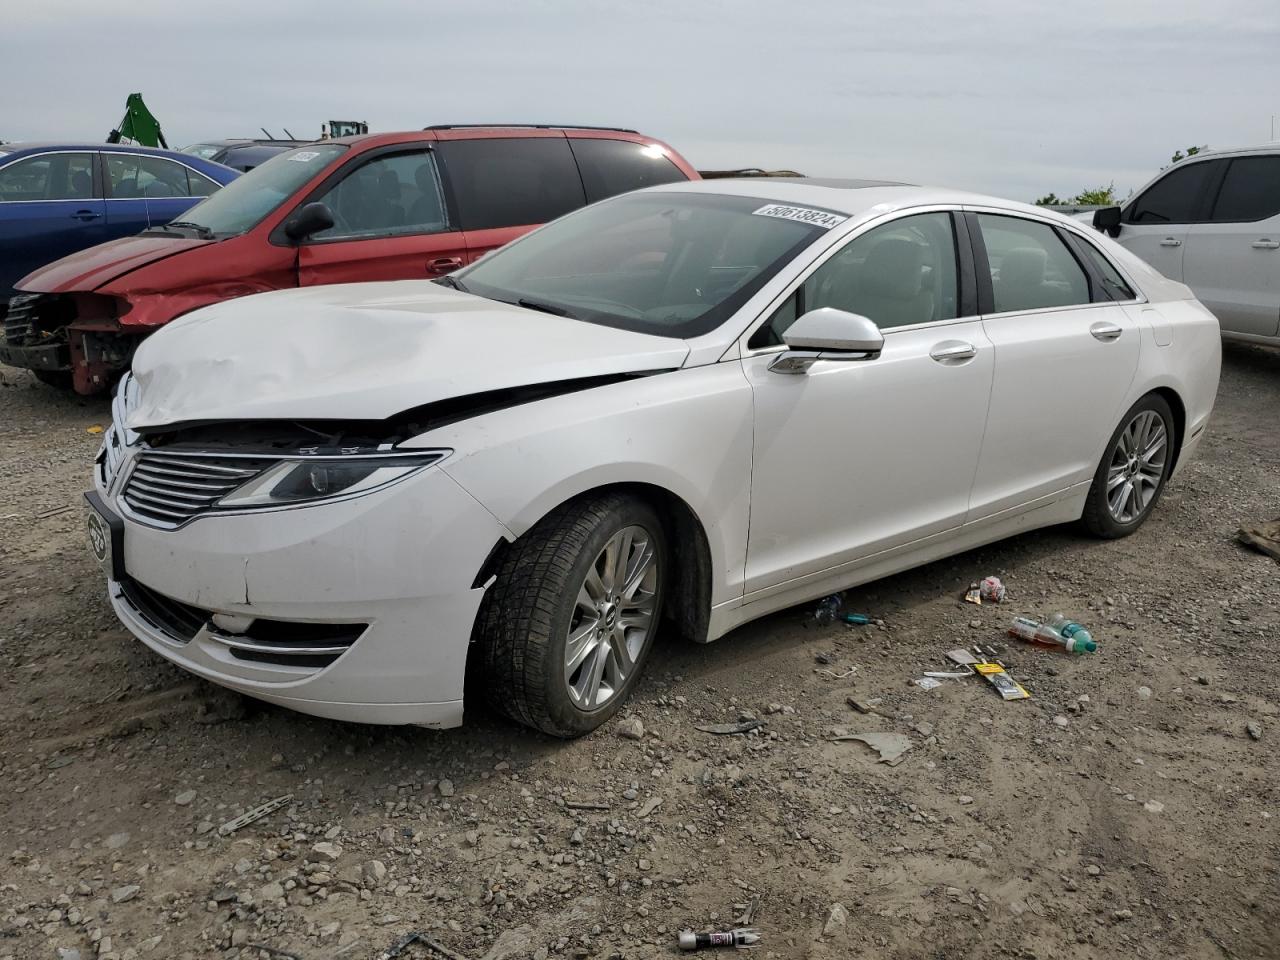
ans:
x=90 y=269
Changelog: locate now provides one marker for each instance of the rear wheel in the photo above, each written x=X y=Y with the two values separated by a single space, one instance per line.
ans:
x=568 y=624
x=1129 y=480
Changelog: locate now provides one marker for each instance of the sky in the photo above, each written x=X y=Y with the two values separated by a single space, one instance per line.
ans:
x=1007 y=97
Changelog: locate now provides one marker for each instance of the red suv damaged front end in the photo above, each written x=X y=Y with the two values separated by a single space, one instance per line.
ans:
x=382 y=207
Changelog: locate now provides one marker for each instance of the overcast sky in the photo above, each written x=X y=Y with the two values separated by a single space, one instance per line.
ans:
x=1008 y=97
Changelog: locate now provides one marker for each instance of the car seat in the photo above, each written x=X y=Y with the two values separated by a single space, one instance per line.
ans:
x=889 y=286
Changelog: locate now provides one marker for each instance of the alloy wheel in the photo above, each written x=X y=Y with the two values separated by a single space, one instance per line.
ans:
x=612 y=618
x=1137 y=466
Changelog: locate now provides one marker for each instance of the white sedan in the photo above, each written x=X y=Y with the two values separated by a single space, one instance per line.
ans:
x=685 y=408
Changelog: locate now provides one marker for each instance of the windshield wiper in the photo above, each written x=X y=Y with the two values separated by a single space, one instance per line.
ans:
x=203 y=232
x=545 y=307
x=448 y=281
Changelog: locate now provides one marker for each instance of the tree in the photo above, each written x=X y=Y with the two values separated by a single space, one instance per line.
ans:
x=1049 y=200
x=1191 y=152
x=1099 y=196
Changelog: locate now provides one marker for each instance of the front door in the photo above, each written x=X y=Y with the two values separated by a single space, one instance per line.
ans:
x=1155 y=224
x=50 y=206
x=856 y=457
x=390 y=223
x=1065 y=354
x=1233 y=262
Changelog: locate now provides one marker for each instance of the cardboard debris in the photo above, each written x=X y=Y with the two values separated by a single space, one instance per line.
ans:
x=890 y=746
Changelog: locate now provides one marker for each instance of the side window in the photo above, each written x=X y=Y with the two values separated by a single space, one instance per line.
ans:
x=200 y=185
x=1031 y=268
x=507 y=182
x=610 y=167
x=59 y=176
x=1114 y=283
x=896 y=275
x=391 y=195
x=1250 y=191
x=1176 y=197
x=159 y=178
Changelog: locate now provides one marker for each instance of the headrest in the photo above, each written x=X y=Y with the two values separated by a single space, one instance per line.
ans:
x=1023 y=267
x=893 y=269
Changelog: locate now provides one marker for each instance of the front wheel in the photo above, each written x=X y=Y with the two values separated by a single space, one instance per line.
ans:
x=568 y=624
x=1133 y=471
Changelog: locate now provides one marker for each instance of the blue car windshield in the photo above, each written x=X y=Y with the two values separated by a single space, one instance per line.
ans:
x=246 y=201
x=670 y=264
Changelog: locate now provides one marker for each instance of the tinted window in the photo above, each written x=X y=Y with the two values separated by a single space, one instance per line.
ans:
x=201 y=186
x=1112 y=281
x=1250 y=190
x=674 y=265
x=58 y=176
x=1031 y=268
x=243 y=203
x=512 y=183
x=130 y=176
x=611 y=167
x=396 y=194
x=1175 y=197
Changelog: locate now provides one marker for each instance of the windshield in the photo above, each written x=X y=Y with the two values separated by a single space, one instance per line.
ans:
x=670 y=264
x=243 y=203
x=204 y=151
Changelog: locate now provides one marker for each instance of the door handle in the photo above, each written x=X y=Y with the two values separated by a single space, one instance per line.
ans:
x=1265 y=244
x=953 y=351
x=85 y=215
x=1170 y=242
x=443 y=265
x=1105 y=331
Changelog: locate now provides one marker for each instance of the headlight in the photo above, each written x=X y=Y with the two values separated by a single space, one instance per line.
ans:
x=320 y=478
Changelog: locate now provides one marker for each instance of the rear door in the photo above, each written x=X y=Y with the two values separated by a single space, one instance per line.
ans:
x=1233 y=261
x=505 y=186
x=1155 y=224
x=391 y=222
x=149 y=191
x=50 y=206
x=1066 y=352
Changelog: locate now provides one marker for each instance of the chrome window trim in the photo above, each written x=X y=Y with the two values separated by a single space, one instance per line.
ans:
x=151 y=156
x=820 y=259
x=4 y=164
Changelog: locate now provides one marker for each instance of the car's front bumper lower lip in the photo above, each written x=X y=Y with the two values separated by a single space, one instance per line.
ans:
x=398 y=566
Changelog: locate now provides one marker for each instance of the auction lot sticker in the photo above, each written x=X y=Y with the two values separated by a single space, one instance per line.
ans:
x=817 y=218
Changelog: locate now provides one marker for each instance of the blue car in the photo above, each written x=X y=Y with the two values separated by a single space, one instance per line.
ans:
x=58 y=198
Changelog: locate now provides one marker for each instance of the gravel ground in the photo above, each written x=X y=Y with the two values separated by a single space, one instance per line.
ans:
x=1126 y=810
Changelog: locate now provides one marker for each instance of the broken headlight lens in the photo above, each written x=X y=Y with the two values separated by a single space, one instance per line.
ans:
x=304 y=480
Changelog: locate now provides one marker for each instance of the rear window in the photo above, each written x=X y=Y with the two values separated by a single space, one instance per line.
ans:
x=1250 y=191
x=510 y=182
x=610 y=167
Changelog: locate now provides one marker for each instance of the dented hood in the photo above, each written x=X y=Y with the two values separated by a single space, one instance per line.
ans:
x=367 y=352
x=91 y=268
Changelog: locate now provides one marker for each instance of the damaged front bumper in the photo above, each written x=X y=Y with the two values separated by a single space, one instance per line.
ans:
x=358 y=610
x=75 y=334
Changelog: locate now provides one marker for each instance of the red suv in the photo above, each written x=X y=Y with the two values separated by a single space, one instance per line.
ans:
x=388 y=206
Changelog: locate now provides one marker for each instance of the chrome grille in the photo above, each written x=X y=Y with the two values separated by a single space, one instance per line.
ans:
x=20 y=318
x=171 y=488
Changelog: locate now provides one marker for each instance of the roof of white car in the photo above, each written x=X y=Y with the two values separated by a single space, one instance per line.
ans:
x=851 y=197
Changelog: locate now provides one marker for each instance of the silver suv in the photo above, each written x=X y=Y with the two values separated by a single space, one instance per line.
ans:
x=1213 y=222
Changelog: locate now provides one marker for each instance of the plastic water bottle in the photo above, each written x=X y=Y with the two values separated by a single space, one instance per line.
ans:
x=1070 y=630
x=1041 y=634
x=828 y=608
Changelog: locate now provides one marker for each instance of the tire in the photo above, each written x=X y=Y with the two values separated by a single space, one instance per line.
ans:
x=61 y=379
x=1135 y=472
x=523 y=628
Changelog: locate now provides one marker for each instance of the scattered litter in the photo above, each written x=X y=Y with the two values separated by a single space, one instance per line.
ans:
x=1263 y=537
x=738 y=937
x=962 y=657
x=1153 y=806
x=1072 y=637
x=1254 y=730
x=257 y=813
x=839 y=676
x=973 y=594
x=52 y=512
x=749 y=914
x=826 y=658
x=433 y=946
x=722 y=729
x=585 y=805
x=94 y=429
x=998 y=677
x=828 y=608
x=993 y=591
x=890 y=746
x=650 y=805
x=859 y=619
x=864 y=706
x=927 y=683
x=272 y=951
x=945 y=675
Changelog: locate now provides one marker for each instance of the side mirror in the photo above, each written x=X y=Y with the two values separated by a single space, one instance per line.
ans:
x=1107 y=220
x=828 y=334
x=308 y=221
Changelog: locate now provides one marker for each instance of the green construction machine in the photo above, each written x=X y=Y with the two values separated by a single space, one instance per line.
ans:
x=138 y=125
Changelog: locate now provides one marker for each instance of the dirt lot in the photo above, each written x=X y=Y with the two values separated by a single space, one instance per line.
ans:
x=1124 y=811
